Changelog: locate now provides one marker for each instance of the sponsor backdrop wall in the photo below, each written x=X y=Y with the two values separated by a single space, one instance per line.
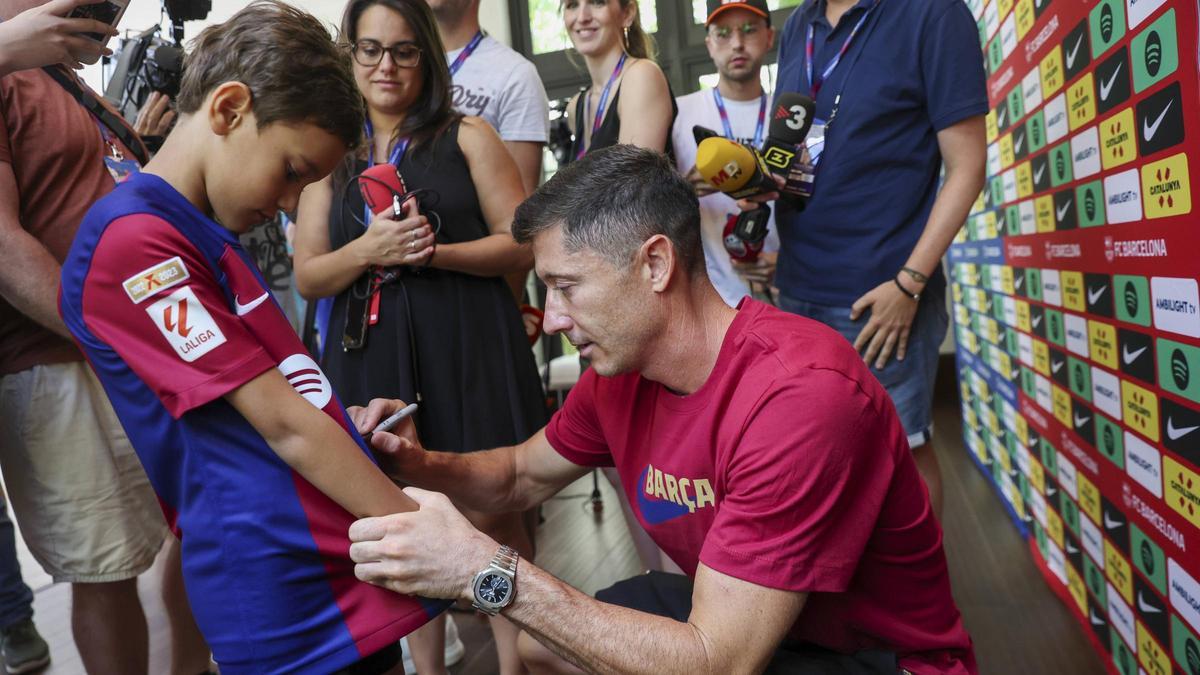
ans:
x=1076 y=312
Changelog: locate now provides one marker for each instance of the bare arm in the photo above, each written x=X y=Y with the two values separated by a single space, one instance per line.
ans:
x=315 y=446
x=498 y=186
x=603 y=638
x=322 y=272
x=645 y=106
x=498 y=481
x=29 y=275
x=528 y=156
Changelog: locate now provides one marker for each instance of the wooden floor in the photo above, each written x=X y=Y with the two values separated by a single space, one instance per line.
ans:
x=1017 y=624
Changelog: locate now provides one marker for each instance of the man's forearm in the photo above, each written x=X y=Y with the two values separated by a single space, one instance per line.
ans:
x=949 y=212
x=603 y=638
x=29 y=279
x=481 y=481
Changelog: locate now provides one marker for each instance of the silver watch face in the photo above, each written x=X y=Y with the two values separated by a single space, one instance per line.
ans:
x=493 y=588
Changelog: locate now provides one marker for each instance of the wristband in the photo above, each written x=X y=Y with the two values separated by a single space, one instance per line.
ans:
x=916 y=276
x=916 y=297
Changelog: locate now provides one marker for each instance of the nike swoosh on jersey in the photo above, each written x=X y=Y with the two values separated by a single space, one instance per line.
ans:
x=1106 y=87
x=1074 y=52
x=1149 y=130
x=1175 y=433
x=244 y=309
x=1094 y=295
x=1131 y=356
x=1062 y=211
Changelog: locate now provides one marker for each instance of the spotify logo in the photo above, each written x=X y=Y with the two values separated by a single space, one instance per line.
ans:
x=1153 y=53
x=1179 y=369
x=1147 y=558
x=1089 y=204
x=1131 y=299
x=1106 y=23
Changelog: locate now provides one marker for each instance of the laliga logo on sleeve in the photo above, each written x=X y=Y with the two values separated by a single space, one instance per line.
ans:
x=186 y=324
x=306 y=378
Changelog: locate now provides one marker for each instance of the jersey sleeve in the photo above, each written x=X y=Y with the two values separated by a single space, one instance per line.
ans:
x=524 y=110
x=574 y=431
x=952 y=67
x=151 y=297
x=805 y=487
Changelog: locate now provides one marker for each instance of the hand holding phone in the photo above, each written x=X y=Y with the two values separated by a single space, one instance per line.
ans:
x=45 y=35
x=107 y=12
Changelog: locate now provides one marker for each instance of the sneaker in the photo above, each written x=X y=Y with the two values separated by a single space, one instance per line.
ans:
x=23 y=648
x=455 y=649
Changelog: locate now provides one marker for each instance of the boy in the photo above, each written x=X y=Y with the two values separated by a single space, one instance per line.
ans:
x=251 y=454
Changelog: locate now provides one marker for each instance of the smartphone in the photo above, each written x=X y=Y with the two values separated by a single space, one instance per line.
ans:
x=391 y=422
x=108 y=11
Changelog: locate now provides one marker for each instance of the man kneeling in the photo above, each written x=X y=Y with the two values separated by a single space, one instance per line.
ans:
x=754 y=445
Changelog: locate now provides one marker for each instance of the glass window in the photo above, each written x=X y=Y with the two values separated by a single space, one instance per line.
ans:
x=549 y=35
x=700 y=8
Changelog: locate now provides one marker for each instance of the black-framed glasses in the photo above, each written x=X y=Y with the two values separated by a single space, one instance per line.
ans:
x=723 y=34
x=369 y=53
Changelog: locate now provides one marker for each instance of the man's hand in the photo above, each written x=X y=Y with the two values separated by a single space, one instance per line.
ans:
x=434 y=552
x=887 y=330
x=761 y=271
x=702 y=187
x=395 y=448
x=155 y=117
x=43 y=36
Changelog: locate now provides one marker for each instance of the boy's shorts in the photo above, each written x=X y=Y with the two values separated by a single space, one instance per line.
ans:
x=80 y=495
x=910 y=382
x=670 y=595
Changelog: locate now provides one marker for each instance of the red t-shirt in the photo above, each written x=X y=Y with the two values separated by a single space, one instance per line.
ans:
x=789 y=469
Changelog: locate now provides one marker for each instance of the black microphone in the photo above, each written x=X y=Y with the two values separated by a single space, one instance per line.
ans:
x=700 y=133
x=784 y=151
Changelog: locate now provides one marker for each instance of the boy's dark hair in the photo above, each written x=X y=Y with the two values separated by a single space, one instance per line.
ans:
x=611 y=201
x=433 y=111
x=294 y=70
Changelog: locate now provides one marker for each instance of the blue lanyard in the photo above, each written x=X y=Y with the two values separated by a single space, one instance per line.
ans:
x=396 y=157
x=758 y=128
x=599 y=119
x=815 y=85
x=466 y=53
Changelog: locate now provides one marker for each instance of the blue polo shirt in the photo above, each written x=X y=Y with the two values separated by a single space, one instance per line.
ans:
x=914 y=68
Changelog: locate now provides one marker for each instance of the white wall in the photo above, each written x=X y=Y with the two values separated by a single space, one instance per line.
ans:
x=142 y=14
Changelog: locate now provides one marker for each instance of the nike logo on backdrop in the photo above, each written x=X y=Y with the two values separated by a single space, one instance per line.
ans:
x=1175 y=433
x=1106 y=87
x=1018 y=143
x=1062 y=210
x=1110 y=524
x=1149 y=130
x=1037 y=321
x=1094 y=295
x=1074 y=52
x=1037 y=175
x=1131 y=356
x=1148 y=609
x=1056 y=366
x=1080 y=421
x=243 y=310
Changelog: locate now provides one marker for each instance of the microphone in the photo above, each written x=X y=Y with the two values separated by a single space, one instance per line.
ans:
x=381 y=187
x=784 y=151
x=733 y=168
x=700 y=133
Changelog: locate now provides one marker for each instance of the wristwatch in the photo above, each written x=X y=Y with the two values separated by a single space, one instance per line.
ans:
x=496 y=585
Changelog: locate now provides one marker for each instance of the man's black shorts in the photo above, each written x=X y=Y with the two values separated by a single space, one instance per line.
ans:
x=670 y=595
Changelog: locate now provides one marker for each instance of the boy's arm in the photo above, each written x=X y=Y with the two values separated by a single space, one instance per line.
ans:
x=317 y=448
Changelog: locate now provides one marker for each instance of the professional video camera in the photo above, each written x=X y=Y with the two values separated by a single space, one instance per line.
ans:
x=147 y=62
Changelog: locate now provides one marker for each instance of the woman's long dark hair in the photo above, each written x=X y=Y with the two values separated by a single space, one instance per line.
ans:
x=432 y=112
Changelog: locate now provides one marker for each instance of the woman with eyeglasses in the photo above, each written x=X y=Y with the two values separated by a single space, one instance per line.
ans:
x=420 y=310
x=628 y=100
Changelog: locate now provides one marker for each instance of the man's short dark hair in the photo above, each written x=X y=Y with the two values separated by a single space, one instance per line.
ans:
x=288 y=59
x=611 y=201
